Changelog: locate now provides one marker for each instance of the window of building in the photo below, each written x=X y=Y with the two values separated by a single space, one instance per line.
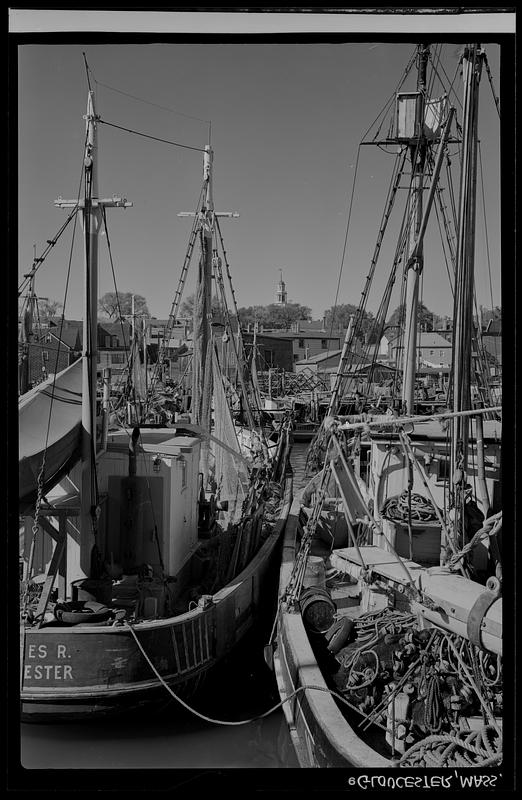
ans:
x=269 y=357
x=117 y=358
x=324 y=344
x=45 y=355
x=296 y=357
x=48 y=338
x=301 y=343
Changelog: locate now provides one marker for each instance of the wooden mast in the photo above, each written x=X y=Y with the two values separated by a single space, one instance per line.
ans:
x=91 y=219
x=416 y=257
x=201 y=363
x=464 y=272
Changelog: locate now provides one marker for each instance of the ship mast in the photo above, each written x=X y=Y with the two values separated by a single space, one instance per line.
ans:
x=415 y=265
x=91 y=208
x=464 y=272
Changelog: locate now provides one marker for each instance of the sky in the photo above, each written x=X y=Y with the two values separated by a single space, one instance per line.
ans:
x=286 y=123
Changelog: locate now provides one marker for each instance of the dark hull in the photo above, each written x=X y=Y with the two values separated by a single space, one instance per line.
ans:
x=95 y=671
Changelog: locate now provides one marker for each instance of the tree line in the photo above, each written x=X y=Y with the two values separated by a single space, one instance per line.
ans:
x=119 y=305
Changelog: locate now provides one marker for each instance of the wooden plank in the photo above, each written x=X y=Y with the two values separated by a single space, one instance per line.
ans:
x=185 y=642
x=200 y=636
x=176 y=650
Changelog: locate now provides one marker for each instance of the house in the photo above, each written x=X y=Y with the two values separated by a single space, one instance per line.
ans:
x=306 y=344
x=271 y=351
x=113 y=346
x=433 y=350
x=52 y=349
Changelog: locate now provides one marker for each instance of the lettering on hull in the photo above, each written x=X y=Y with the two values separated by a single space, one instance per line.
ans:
x=35 y=670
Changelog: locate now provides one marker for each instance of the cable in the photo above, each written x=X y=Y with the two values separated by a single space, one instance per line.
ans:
x=148 y=136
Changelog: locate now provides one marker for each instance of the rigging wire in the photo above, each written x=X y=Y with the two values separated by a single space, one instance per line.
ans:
x=344 y=245
x=146 y=102
x=41 y=472
x=148 y=136
x=490 y=78
x=120 y=313
x=382 y=113
x=486 y=237
x=37 y=261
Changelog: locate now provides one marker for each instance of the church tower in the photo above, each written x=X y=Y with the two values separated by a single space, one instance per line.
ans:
x=281 y=296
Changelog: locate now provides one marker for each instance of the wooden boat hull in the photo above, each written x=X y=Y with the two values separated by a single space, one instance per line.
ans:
x=320 y=734
x=88 y=671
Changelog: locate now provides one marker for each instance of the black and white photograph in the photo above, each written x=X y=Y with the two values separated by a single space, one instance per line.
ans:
x=259 y=261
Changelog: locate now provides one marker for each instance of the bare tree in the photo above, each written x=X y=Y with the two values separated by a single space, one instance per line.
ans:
x=119 y=304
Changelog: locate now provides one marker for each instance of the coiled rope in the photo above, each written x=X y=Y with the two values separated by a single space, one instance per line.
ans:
x=480 y=748
x=398 y=508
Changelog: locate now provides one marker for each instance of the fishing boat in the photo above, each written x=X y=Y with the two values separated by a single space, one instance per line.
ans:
x=387 y=648
x=149 y=550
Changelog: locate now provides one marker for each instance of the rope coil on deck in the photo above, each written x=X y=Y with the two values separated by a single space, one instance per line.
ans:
x=398 y=508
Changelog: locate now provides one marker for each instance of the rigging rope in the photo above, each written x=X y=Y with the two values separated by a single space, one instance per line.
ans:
x=148 y=136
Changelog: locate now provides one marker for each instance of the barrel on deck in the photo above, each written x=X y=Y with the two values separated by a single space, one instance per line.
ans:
x=317 y=609
x=315 y=573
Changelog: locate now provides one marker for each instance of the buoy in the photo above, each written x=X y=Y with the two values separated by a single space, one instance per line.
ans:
x=339 y=634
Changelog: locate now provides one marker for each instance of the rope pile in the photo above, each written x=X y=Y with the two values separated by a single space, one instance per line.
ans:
x=443 y=684
x=481 y=748
x=397 y=508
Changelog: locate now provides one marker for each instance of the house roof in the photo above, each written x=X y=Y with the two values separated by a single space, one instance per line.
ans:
x=69 y=336
x=115 y=328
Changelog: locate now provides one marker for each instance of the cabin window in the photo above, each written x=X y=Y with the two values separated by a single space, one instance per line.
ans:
x=324 y=344
x=301 y=343
x=441 y=353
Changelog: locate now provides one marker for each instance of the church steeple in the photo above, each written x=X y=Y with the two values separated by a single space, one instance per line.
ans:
x=281 y=291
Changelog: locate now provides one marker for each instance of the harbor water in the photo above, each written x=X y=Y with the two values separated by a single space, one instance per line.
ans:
x=242 y=689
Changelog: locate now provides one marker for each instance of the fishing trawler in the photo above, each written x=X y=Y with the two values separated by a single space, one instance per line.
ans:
x=148 y=548
x=387 y=648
